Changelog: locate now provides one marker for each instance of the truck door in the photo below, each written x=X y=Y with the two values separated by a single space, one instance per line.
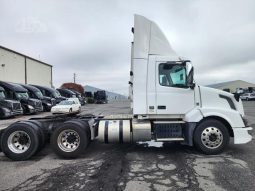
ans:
x=173 y=96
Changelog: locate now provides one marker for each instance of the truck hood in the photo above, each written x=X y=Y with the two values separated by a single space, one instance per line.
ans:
x=62 y=107
x=9 y=101
x=215 y=98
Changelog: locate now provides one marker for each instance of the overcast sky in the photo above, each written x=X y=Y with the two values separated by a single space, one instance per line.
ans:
x=92 y=37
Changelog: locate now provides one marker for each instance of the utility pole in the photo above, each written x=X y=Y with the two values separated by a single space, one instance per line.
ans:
x=74 y=78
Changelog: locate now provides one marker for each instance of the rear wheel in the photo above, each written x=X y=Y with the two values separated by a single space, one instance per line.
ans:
x=69 y=141
x=84 y=125
x=20 y=141
x=211 y=137
x=39 y=128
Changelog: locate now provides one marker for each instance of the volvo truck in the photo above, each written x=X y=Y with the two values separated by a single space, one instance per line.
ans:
x=167 y=105
x=35 y=93
x=9 y=108
x=17 y=92
x=50 y=92
x=100 y=97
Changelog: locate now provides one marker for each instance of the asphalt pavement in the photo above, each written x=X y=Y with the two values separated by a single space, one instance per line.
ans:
x=139 y=167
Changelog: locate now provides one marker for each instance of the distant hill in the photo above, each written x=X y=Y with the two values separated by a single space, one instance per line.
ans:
x=110 y=95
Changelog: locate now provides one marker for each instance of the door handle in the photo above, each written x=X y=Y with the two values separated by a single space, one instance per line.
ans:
x=161 y=107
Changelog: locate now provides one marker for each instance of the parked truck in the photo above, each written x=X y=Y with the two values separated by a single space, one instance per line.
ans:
x=66 y=93
x=35 y=93
x=50 y=92
x=166 y=106
x=8 y=107
x=100 y=97
x=17 y=92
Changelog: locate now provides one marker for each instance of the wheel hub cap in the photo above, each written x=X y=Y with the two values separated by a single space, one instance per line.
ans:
x=212 y=137
x=19 y=142
x=68 y=140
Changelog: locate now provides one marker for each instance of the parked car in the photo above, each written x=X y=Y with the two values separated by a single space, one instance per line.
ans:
x=35 y=93
x=79 y=96
x=50 y=92
x=248 y=96
x=100 y=97
x=66 y=93
x=71 y=105
x=9 y=108
x=17 y=92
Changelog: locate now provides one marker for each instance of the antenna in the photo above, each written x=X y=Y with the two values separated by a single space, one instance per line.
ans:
x=74 y=78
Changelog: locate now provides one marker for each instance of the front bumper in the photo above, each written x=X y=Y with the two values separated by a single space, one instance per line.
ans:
x=60 y=111
x=17 y=112
x=241 y=135
x=38 y=109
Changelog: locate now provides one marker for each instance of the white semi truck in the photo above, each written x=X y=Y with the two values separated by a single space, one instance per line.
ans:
x=166 y=106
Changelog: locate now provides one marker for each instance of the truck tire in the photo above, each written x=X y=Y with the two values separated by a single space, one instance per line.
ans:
x=82 y=124
x=42 y=135
x=69 y=141
x=211 y=137
x=1 y=132
x=19 y=141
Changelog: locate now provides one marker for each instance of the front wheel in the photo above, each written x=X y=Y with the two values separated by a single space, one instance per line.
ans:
x=211 y=137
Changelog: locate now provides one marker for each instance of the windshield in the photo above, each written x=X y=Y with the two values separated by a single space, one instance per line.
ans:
x=22 y=95
x=2 y=95
x=39 y=94
x=56 y=94
x=65 y=102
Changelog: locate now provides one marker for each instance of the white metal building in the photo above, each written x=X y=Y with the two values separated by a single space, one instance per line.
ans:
x=232 y=85
x=19 y=68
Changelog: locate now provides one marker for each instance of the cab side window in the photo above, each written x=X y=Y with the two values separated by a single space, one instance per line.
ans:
x=172 y=75
x=48 y=93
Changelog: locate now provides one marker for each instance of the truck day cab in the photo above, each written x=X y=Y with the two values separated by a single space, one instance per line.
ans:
x=17 y=92
x=167 y=106
x=9 y=108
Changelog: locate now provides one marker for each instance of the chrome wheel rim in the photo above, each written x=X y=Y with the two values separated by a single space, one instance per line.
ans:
x=212 y=137
x=19 y=142
x=68 y=140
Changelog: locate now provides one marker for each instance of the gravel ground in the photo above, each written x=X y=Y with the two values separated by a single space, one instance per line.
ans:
x=144 y=166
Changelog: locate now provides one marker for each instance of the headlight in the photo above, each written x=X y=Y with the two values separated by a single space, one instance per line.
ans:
x=30 y=107
x=6 y=110
x=48 y=104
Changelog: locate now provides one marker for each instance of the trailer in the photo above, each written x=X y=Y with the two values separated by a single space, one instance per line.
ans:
x=166 y=106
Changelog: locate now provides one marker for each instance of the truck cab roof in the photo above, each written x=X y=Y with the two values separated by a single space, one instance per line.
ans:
x=30 y=88
x=150 y=40
x=43 y=87
x=67 y=91
x=12 y=86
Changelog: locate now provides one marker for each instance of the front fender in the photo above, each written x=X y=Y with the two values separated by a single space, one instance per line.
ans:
x=233 y=117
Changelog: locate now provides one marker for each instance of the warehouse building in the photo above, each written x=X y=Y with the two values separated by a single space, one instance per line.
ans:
x=232 y=86
x=19 y=68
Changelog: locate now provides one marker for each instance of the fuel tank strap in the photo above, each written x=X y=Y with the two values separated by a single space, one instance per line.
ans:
x=106 y=132
x=121 y=132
